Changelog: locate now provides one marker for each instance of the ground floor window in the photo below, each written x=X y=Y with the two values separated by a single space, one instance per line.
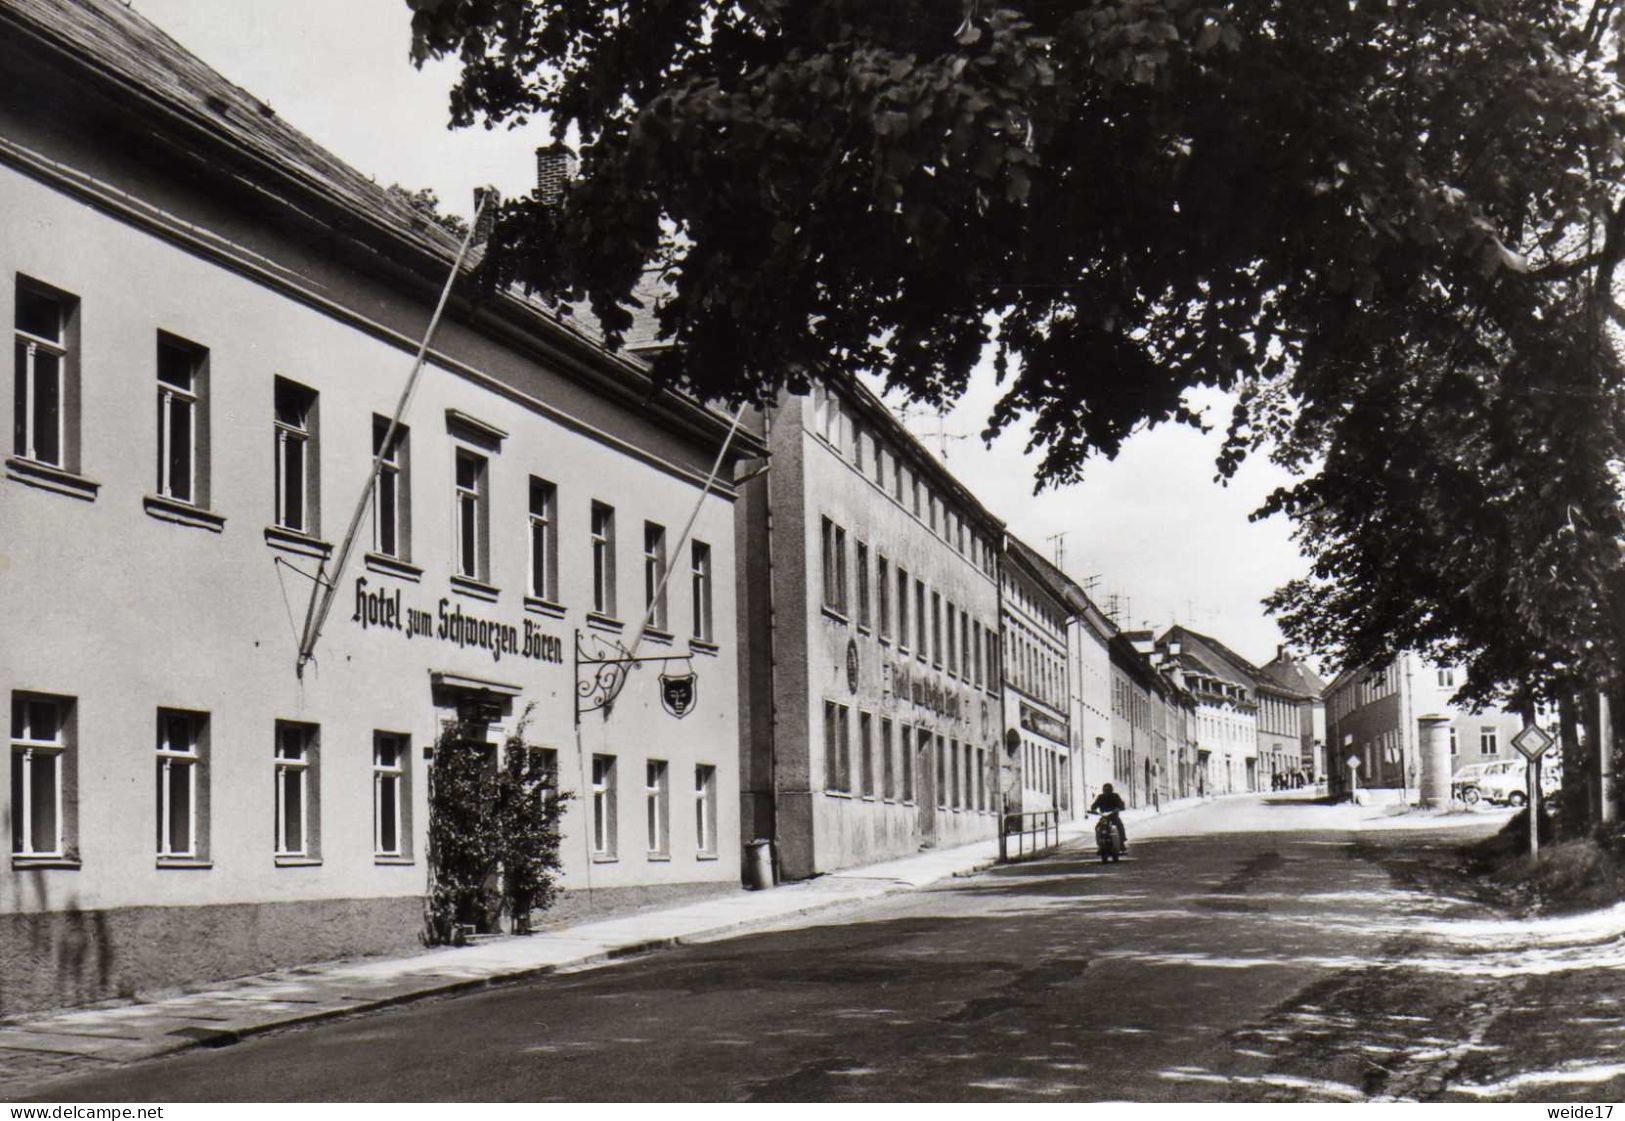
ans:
x=655 y=806
x=837 y=748
x=942 y=774
x=866 y=754
x=182 y=786
x=888 y=765
x=39 y=774
x=391 y=804
x=705 y=810
x=296 y=789
x=603 y=806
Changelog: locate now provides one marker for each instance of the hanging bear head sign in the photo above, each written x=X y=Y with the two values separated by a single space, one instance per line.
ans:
x=679 y=692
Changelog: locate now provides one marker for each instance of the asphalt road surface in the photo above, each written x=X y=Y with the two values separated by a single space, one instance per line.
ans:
x=1285 y=959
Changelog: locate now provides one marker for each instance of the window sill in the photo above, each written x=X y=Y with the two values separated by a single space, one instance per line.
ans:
x=701 y=646
x=706 y=856
x=395 y=861
x=605 y=858
x=187 y=862
x=294 y=861
x=25 y=861
x=863 y=628
x=837 y=794
x=182 y=513
x=475 y=589
x=598 y=621
x=659 y=857
x=883 y=640
x=47 y=477
x=656 y=636
x=392 y=566
x=837 y=616
x=293 y=541
x=537 y=606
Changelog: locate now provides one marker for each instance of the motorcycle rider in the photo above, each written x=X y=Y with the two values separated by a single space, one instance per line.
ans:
x=1110 y=805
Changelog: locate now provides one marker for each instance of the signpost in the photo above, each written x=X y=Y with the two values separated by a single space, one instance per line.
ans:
x=1353 y=762
x=1532 y=743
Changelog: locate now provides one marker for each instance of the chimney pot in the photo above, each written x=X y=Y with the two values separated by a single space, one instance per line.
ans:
x=555 y=167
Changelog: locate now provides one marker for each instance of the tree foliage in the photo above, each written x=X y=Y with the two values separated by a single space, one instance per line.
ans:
x=1391 y=225
x=493 y=834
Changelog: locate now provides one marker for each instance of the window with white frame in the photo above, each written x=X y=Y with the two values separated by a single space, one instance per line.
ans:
x=296 y=789
x=182 y=825
x=471 y=496
x=295 y=457
x=182 y=368
x=603 y=558
x=1488 y=740
x=705 y=809
x=603 y=807
x=42 y=372
x=654 y=574
x=544 y=543
x=699 y=573
x=40 y=771
x=656 y=808
x=1447 y=678
x=391 y=494
x=391 y=803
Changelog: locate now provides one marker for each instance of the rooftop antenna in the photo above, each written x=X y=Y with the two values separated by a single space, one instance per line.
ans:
x=326 y=586
x=942 y=435
x=1060 y=547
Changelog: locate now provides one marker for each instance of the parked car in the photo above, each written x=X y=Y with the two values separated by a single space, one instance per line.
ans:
x=1464 y=784
x=1507 y=783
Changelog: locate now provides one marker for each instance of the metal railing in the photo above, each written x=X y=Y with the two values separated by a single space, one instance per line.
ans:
x=1029 y=835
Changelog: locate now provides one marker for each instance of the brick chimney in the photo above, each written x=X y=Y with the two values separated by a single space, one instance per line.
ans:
x=555 y=167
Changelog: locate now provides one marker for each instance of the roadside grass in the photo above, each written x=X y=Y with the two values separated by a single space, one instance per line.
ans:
x=1573 y=874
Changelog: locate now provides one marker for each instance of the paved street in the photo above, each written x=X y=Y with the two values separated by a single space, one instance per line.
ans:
x=1241 y=953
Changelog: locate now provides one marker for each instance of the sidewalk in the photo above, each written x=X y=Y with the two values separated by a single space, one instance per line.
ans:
x=88 y=1040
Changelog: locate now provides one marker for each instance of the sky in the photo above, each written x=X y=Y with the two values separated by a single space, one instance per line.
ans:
x=1165 y=539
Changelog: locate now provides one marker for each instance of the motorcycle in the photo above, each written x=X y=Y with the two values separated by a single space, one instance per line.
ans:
x=1108 y=841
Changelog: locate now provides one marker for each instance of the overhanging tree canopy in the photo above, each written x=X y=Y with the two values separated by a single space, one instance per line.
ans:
x=1370 y=214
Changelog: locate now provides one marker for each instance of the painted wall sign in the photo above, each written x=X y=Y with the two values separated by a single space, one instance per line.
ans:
x=1042 y=723
x=926 y=692
x=448 y=623
x=678 y=693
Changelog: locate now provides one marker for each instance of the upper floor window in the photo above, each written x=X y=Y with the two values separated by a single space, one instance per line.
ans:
x=699 y=565
x=42 y=390
x=1488 y=740
x=654 y=574
x=834 y=544
x=882 y=596
x=902 y=608
x=391 y=511
x=544 y=545
x=603 y=558
x=182 y=369
x=295 y=457
x=1447 y=679
x=469 y=492
x=862 y=565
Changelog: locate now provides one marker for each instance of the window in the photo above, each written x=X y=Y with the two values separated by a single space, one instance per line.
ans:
x=181 y=420
x=295 y=790
x=1488 y=740
x=902 y=610
x=953 y=644
x=1454 y=746
x=931 y=505
x=936 y=629
x=888 y=765
x=603 y=807
x=907 y=746
x=603 y=559
x=882 y=596
x=390 y=801
x=866 y=755
x=182 y=785
x=654 y=574
x=473 y=561
x=858 y=438
x=296 y=506
x=705 y=810
x=834 y=567
x=953 y=774
x=41 y=775
x=899 y=480
x=837 y=748
x=917 y=488
x=919 y=619
x=43 y=385
x=391 y=513
x=880 y=465
x=862 y=562
x=544 y=540
x=1447 y=679
x=699 y=562
x=976 y=652
x=656 y=808
x=942 y=774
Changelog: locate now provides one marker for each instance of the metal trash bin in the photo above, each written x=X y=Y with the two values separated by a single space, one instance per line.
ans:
x=759 y=864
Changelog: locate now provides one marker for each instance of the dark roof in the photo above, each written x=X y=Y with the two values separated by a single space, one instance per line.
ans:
x=1215 y=657
x=1293 y=675
x=148 y=67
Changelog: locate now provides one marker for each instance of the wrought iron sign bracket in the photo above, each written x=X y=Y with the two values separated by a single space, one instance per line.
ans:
x=607 y=667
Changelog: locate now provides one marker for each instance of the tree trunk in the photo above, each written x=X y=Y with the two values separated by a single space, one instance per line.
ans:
x=1578 y=801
